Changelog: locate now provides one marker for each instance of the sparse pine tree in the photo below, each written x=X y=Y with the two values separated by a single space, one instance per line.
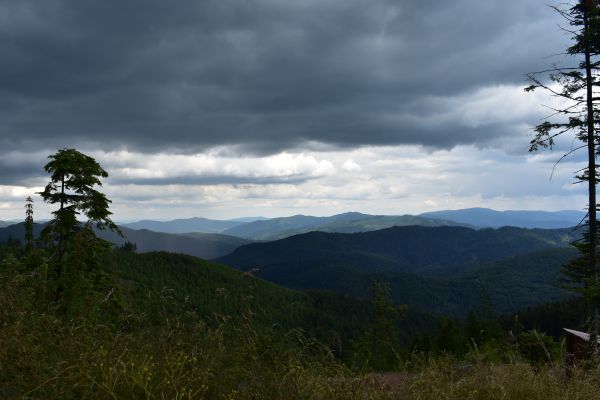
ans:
x=72 y=185
x=29 y=224
x=577 y=86
x=380 y=345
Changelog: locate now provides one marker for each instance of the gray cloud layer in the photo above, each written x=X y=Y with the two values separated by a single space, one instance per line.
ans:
x=263 y=75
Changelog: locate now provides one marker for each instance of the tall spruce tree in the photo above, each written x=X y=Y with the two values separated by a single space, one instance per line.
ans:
x=578 y=86
x=380 y=344
x=73 y=179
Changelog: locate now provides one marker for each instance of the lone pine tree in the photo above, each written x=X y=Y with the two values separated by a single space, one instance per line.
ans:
x=29 y=224
x=577 y=86
x=73 y=244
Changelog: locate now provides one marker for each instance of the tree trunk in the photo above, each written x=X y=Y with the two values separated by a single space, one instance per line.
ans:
x=591 y=147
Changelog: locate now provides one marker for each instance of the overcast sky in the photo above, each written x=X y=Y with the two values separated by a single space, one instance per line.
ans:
x=229 y=108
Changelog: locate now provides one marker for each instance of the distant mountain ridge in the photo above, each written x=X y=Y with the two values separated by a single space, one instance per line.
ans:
x=202 y=245
x=351 y=222
x=488 y=218
x=248 y=219
x=265 y=229
x=195 y=224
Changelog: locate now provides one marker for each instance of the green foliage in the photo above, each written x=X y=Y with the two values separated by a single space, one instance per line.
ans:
x=579 y=274
x=212 y=289
x=162 y=351
x=400 y=249
x=449 y=379
x=571 y=83
x=128 y=247
x=73 y=176
x=537 y=347
x=480 y=333
x=132 y=337
x=483 y=327
x=551 y=318
x=379 y=348
x=73 y=249
x=519 y=282
x=446 y=279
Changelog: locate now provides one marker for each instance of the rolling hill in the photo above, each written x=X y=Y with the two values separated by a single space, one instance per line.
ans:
x=400 y=249
x=512 y=284
x=17 y=231
x=444 y=270
x=216 y=291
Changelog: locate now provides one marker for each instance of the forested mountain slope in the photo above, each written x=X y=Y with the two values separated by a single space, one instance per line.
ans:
x=515 y=267
x=215 y=290
x=410 y=248
x=197 y=244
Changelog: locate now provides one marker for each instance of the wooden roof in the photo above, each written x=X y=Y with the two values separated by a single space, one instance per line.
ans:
x=581 y=335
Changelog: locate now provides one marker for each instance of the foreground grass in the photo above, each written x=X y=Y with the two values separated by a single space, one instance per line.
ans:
x=447 y=380
x=109 y=351
x=176 y=361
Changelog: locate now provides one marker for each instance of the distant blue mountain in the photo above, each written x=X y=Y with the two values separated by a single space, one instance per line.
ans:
x=485 y=217
x=184 y=225
x=248 y=219
x=350 y=222
x=203 y=245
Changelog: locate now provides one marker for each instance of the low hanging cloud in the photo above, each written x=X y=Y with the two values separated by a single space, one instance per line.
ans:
x=212 y=169
x=265 y=76
x=377 y=180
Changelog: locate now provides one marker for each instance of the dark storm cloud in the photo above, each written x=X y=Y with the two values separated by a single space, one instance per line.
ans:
x=22 y=169
x=213 y=180
x=263 y=75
